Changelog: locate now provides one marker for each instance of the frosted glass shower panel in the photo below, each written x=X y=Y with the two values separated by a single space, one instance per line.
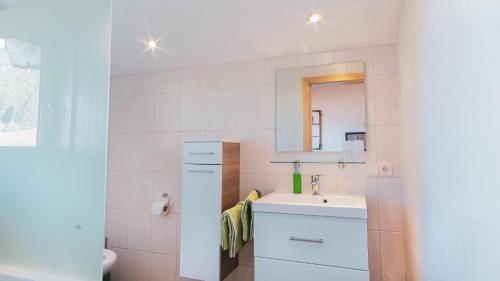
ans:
x=54 y=79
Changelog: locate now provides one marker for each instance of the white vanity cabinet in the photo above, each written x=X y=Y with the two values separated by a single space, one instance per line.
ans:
x=210 y=185
x=293 y=245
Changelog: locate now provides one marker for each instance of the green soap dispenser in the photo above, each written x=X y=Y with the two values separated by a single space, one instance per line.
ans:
x=297 y=178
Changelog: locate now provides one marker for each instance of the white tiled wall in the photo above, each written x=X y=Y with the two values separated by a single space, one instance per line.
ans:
x=152 y=113
x=450 y=134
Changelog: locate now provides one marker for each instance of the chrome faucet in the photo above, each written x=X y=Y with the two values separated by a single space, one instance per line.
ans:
x=315 y=184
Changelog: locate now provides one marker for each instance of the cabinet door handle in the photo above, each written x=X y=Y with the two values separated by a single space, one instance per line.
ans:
x=317 y=241
x=201 y=153
x=201 y=171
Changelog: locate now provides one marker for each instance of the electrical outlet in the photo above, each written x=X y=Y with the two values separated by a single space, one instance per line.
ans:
x=385 y=169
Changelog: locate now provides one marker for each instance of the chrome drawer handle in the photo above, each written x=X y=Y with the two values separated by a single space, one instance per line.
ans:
x=202 y=153
x=318 y=241
x=201 y=171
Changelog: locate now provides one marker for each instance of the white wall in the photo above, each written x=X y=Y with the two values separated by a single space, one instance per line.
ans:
x=152 y=113
x=343 y=110
x=450 y=60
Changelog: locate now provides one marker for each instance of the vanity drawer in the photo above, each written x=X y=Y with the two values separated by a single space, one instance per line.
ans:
x=319 y=240
x=203 y=153
x=277 y=270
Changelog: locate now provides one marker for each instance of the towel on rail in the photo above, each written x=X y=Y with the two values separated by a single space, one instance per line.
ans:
x=247 y=215
x=232 y=230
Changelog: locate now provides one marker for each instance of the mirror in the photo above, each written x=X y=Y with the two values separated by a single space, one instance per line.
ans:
x=322 y=109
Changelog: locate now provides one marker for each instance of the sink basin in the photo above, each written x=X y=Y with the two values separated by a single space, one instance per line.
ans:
x=109 y=259
x=347 y=206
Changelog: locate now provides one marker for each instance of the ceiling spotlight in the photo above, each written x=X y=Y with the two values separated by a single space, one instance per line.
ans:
x=152 y=44
x=313 y=18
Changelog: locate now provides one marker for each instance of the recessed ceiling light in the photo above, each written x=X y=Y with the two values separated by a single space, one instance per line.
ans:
x=313 y=18
x=152 y=44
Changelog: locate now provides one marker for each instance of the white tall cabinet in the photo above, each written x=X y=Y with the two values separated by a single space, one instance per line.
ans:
x=210 y=185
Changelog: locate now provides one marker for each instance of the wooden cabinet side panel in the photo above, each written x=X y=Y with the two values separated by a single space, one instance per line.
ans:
x=230 y=196
x=230 y=175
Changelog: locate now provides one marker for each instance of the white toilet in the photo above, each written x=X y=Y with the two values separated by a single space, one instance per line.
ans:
x=109 y=259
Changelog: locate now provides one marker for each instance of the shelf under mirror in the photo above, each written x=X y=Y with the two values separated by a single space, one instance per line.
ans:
x=317 y=162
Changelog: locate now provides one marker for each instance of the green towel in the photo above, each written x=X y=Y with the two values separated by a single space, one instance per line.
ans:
x=247 y=216
x=231 y=230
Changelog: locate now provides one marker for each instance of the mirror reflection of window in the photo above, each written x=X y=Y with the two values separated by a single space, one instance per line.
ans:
x=19 y=92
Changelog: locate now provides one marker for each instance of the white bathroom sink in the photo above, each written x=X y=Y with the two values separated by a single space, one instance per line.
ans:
x=109 y=259
x=348 y=206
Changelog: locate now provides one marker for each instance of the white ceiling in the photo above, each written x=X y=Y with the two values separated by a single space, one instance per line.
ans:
x=204 y=32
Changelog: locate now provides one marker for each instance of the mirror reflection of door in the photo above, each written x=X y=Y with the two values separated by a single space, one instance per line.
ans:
x=317 y=137
x=334 y=107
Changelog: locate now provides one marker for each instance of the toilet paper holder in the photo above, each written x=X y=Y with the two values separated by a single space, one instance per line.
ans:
x=161 y=207
x=166 y=196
